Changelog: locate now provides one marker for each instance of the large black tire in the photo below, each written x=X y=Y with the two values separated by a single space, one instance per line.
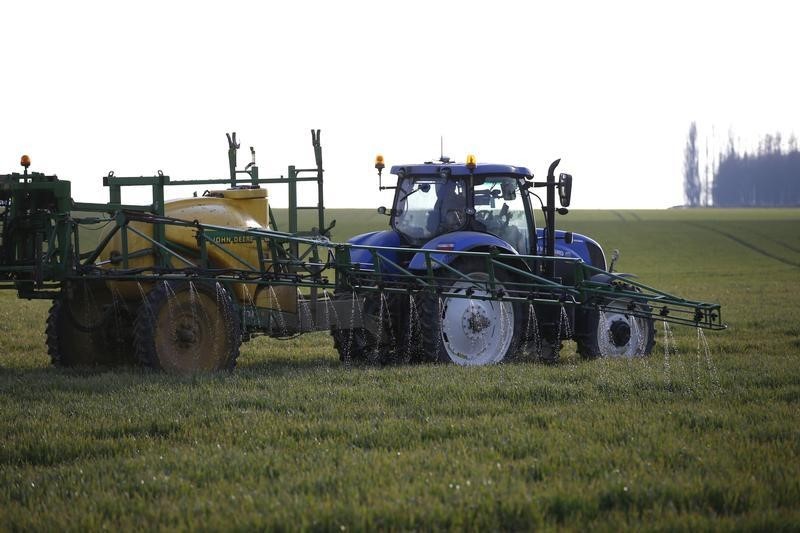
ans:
x=359 y=344
x=185 y=327
x=615 y=332
x=87 y=326
x=355 y=345
x=468 y=331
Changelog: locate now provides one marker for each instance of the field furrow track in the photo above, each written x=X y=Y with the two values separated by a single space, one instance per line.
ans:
x=747 y=244
x=619 y=216
x=770 y=238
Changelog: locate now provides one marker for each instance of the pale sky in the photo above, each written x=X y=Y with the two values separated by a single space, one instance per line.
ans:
x=609 y=87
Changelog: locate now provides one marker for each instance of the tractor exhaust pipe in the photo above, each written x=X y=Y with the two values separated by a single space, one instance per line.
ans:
x=550 y=230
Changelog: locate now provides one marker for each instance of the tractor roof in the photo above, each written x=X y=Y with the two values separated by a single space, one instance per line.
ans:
x=461 y=169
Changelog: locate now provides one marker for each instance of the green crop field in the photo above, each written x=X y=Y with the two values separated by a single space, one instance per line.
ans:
x=691 y=440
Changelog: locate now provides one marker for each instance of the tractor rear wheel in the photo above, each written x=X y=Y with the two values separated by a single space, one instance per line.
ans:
x=470 y=331
x=355 y=345
x=185 y=327
x=616 y=332
x=87 y=326
x=358 y=344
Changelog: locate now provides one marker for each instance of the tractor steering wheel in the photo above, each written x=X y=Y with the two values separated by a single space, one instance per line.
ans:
x=455 y=218
x=504 y=216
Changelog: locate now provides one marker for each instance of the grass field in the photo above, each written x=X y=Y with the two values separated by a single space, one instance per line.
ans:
x=294 y=440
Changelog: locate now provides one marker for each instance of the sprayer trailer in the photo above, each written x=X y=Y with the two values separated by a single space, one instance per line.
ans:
x=462 y=274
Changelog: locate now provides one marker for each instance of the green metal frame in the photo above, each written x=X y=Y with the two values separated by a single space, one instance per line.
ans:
x=36 y=231
x=286 y=269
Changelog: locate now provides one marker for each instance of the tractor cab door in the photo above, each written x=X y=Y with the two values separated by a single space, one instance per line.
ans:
x=502 y=210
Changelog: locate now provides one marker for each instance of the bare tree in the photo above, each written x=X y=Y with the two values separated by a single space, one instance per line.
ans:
x=705 y=198
x=691 y=169
x=767 y=144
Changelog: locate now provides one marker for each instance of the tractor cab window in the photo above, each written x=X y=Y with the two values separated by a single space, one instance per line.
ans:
x=428 y=206
x=500 y=210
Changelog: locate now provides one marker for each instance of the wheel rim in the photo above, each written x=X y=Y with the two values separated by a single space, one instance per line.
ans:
x=474 y=331
x=621 y=334
x=191 y=333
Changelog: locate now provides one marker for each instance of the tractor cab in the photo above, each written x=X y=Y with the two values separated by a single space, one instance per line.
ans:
x=475 y=207
x=432 y=200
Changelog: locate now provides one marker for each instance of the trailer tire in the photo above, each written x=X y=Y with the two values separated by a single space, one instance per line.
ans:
x=470 y=332
x=86 y=326
x=186 y=327
x=615 y=333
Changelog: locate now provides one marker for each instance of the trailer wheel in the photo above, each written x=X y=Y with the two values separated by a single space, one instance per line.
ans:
x=616 y=333
x=86 y=326
x=470 y=331
x=186 y=327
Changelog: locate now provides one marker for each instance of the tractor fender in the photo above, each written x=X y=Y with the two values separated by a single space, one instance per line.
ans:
x=581 y=247
x=364 y=258
x=458 y=241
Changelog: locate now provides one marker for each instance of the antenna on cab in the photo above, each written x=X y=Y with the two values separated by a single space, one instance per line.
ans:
x=442 y=158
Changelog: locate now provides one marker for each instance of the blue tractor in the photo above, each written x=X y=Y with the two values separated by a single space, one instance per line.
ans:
x=463 y=208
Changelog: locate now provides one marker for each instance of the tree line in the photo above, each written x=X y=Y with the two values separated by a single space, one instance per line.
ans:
x=769 y=177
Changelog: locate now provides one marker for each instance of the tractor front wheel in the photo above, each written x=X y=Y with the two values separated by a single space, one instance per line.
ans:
x=615 y=331
x=185 y=327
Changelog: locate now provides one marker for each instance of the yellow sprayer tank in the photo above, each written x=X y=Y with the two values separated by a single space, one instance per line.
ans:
x=239 y=208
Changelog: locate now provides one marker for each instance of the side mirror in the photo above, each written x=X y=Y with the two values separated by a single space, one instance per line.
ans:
x=383 y=211
x=564 y=189
x=509 y=191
